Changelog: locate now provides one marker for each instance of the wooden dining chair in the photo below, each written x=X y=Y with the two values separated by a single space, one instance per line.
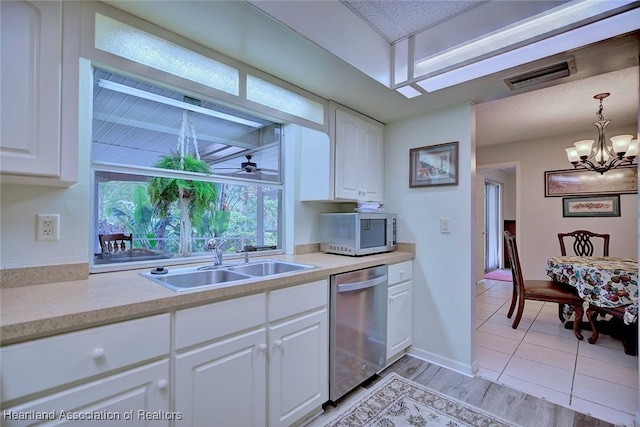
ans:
x=583 y=242
x=583 y=245
x=114 y=243
x=538 y=290
x=629 y=333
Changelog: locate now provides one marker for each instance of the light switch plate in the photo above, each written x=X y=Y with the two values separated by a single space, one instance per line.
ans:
x=445 y=225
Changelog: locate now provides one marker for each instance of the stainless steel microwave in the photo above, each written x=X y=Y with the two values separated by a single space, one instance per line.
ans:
x=357 y=234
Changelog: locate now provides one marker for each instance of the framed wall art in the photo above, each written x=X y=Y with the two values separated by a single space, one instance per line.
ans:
x=434 y=165
x=580 y=182
x=591 y=206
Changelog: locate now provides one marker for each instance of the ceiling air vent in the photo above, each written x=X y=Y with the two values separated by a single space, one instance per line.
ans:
x=542 y=75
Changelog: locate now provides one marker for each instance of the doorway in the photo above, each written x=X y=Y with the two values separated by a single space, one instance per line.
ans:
x=507 y=177
x=492 y=219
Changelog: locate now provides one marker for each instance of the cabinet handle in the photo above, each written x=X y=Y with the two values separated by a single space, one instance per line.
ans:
x=278 y=343
x=262 y=347
x=401 y=273
x=162 y=384
x=97 y=353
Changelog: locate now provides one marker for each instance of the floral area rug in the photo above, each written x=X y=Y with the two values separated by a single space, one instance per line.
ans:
x=396 y=402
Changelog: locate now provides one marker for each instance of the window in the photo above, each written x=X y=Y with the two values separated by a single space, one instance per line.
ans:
x=133 y=49
x=136 y=45
x=173 y=171
x=281 y=99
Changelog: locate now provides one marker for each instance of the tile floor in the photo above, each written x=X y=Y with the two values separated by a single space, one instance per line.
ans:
x=545 y=360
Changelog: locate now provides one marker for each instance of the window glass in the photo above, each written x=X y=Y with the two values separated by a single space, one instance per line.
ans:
x=281 y=99
x=173 y=171
x=237 y=215
x=136 y=45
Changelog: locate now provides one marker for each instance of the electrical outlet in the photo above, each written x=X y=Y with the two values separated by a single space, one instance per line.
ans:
x=47 y=227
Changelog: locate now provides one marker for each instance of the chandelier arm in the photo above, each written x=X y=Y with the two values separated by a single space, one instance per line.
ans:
x=589 y=165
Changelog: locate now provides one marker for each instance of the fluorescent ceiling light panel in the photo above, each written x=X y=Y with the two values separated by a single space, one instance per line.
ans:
x=592 y=33
x=545 y=23
x=128 y=90
x=408 y=91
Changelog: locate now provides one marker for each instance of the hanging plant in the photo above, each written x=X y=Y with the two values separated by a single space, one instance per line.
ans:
x=193 y=197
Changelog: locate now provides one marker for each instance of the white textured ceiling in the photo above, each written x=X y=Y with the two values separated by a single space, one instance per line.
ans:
x=242 y=31
x=559 y=110
x=395 y=20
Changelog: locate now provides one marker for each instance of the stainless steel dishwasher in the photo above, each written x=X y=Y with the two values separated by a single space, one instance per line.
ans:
x=358 y=328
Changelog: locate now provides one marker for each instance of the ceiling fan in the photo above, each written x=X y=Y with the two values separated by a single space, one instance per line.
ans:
x=250 y=168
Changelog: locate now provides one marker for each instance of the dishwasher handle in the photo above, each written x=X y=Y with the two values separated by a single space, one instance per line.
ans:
x=348 y=287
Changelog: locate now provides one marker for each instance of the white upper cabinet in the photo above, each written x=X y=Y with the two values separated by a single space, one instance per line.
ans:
x=38 y=139
x=359 y=161
x=347 y=164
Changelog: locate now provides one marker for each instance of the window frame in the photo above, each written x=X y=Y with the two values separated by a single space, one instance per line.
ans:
x=92 y=57
x=145 y=171
x=126 y=67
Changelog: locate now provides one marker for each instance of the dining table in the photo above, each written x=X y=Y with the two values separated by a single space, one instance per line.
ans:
x=602 y=281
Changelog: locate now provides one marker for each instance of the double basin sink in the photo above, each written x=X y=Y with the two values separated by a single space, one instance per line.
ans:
x=190 y=278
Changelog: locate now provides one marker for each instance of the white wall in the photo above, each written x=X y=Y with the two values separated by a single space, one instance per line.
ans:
x=541 y=217
x=443 y=274
x=21 y=204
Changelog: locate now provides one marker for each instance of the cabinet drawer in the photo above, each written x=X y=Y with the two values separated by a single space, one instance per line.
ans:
x=50 y=362
x=212 y=321
x=400 y=272
x=297 y=299
x=144 y=389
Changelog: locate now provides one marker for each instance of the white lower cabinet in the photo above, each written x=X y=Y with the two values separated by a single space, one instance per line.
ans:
x=399 y=309
x=220 y=363
x=117 y=373
x=223 y=384
x=137 y=397
x=298 y=367
x=225 y=350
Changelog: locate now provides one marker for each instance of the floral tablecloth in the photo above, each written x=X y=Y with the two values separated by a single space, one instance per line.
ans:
x=602 y=281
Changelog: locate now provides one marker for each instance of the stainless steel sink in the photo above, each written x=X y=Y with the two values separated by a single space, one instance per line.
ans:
x=190 y=278
x=180 y=281
x=268 y=268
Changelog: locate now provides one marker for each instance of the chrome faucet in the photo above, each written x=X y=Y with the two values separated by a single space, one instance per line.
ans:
x=214 y=246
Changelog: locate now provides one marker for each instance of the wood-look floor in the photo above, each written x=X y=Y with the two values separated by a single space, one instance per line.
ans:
x=512 y=405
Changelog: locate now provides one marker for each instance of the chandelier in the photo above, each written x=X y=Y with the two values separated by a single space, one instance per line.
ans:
x=601 y=158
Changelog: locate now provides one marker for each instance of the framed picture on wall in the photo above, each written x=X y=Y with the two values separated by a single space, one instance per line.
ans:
x=434 y=165
x=592 y=206
x=579 y=182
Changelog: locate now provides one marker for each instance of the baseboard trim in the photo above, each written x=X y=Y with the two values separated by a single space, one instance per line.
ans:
x=461 y=368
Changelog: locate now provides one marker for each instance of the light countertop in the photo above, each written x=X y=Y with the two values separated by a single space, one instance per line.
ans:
x=29 y=312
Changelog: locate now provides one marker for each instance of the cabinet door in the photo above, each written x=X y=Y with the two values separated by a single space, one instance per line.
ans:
x=349 y=156
x=132 y=398
x=223 y=384
x=298 y=368
x=31 y=90
x=359 y=162
x=372 y=164
x=399 y=319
